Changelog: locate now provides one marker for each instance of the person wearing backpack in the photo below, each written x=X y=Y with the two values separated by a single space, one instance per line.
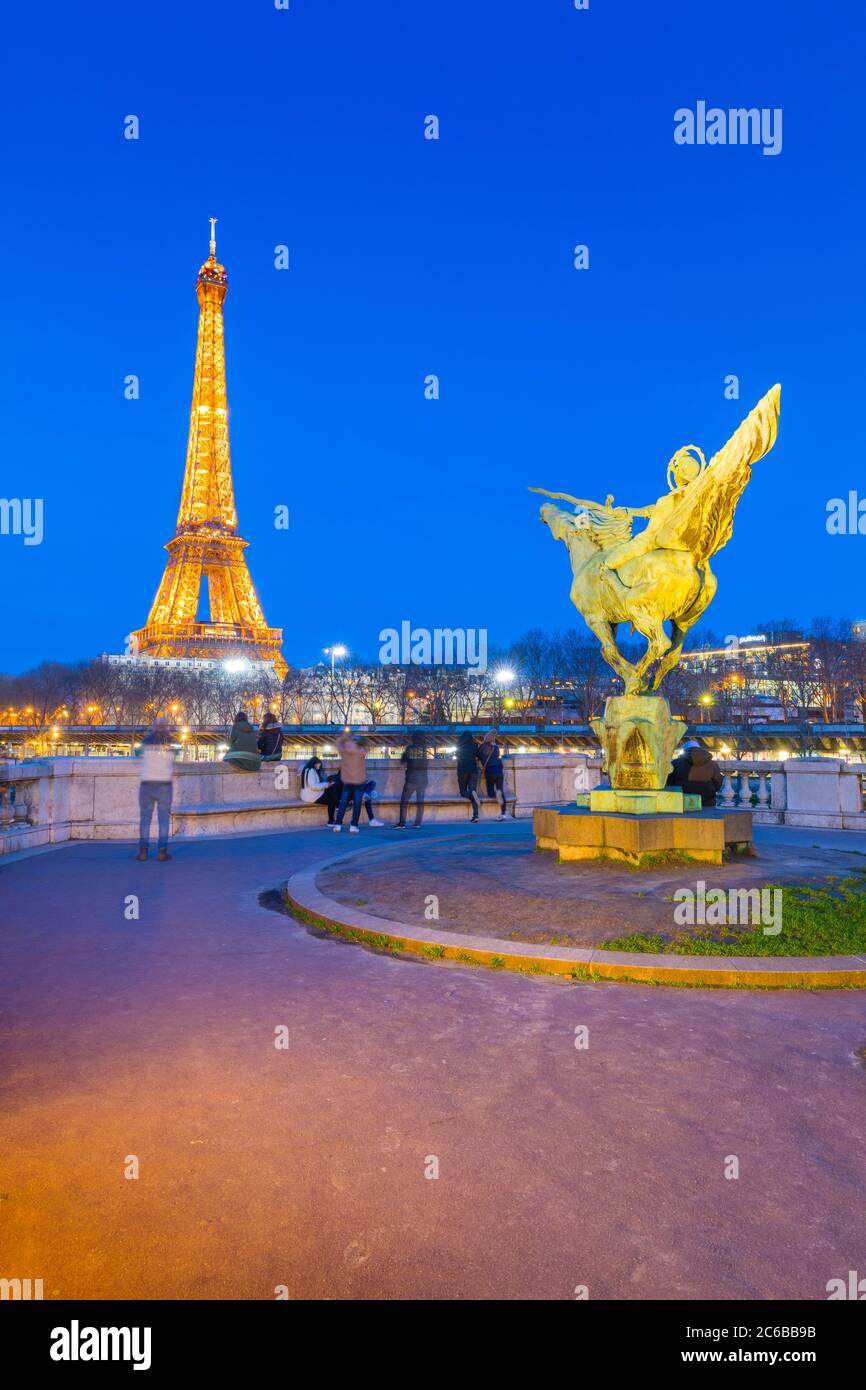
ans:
x=490 y=758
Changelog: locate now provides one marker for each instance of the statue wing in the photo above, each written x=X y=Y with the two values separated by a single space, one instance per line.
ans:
x=608 y=527
x=705 y=520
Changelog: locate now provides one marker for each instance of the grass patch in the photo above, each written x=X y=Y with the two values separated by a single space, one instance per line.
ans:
x=815 y=922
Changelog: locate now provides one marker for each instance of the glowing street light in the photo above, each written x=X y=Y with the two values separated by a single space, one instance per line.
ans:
x=334 y=652
x=504 y=676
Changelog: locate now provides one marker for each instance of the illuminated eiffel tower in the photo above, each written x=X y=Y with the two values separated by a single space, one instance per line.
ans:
x=206 y=544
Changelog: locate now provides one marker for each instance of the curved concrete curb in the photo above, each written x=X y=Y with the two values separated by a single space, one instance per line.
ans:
x=579 y=963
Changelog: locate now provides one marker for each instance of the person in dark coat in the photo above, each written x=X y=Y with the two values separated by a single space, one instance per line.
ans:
x=467 y=771
x=490 y=758
x=414 y=760
x=696 y=772
x=243 y=752
x=270 y=739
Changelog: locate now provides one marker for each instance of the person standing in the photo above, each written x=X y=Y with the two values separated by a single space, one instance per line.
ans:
x=156 y=781
x=270 y=739
x=414 y=759
x=467 y=771
x=353 y=775
x=490 y=758
x=243 y=750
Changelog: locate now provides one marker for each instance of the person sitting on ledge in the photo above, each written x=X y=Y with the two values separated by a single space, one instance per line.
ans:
x=317 y=788
x=243 y=752
x=696 y=772
x=270 y=739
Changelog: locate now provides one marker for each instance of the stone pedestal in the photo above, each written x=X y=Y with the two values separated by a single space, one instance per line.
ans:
x=668 y=800
x=641 y=840
x=638 y=737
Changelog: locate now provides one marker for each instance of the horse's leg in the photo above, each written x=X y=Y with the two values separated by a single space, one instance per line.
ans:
x=658 y=643
x=684 y=621
x=672 y=657
x=605 y=632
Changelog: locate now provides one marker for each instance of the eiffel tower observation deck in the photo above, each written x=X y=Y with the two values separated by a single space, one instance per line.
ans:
x=206 y=543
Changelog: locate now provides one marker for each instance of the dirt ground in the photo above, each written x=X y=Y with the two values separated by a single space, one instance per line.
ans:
x=515 y=892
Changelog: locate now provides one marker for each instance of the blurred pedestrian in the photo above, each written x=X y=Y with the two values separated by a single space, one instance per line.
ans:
x=414 y=760
x=353 y=775
x=367 y=792
x=156 y=755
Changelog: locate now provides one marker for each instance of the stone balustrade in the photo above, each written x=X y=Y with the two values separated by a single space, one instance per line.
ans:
x=55 y=799
x=825 y=793
x=97 y=798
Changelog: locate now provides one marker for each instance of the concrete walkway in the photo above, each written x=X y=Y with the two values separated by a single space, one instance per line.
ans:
x=558 y=1167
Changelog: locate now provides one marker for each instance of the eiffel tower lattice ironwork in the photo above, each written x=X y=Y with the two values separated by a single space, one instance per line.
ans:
x=206 y=544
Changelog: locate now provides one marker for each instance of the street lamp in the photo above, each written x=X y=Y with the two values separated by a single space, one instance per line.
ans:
x=705 y=701
x=334 y=652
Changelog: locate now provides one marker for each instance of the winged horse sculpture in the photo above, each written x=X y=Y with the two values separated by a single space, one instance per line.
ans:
x=662 y=573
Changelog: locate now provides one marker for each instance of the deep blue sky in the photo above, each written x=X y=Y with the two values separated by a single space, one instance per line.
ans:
x=409 y=257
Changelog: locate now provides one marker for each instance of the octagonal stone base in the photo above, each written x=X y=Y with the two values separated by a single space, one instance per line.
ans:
x=640 y=839
x=669 y=800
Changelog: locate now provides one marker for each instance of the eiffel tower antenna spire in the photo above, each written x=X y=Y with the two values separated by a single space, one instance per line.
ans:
x=206 y=543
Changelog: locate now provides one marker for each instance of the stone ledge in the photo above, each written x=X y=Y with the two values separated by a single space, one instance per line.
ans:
x=714 y=972
x=207 y=817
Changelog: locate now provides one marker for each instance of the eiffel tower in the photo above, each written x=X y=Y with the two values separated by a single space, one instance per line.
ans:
x=206 y=544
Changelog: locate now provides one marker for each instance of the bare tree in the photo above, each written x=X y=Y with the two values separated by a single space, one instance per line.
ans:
x=828 y=645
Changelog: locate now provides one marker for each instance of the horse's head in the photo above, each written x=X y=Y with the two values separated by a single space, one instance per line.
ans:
x=575 y=530
x=559 y=521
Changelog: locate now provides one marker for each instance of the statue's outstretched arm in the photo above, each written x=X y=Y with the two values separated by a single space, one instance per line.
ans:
x=567 y=497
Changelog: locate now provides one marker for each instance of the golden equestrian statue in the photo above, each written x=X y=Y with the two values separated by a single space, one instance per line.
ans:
x=662 y=574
